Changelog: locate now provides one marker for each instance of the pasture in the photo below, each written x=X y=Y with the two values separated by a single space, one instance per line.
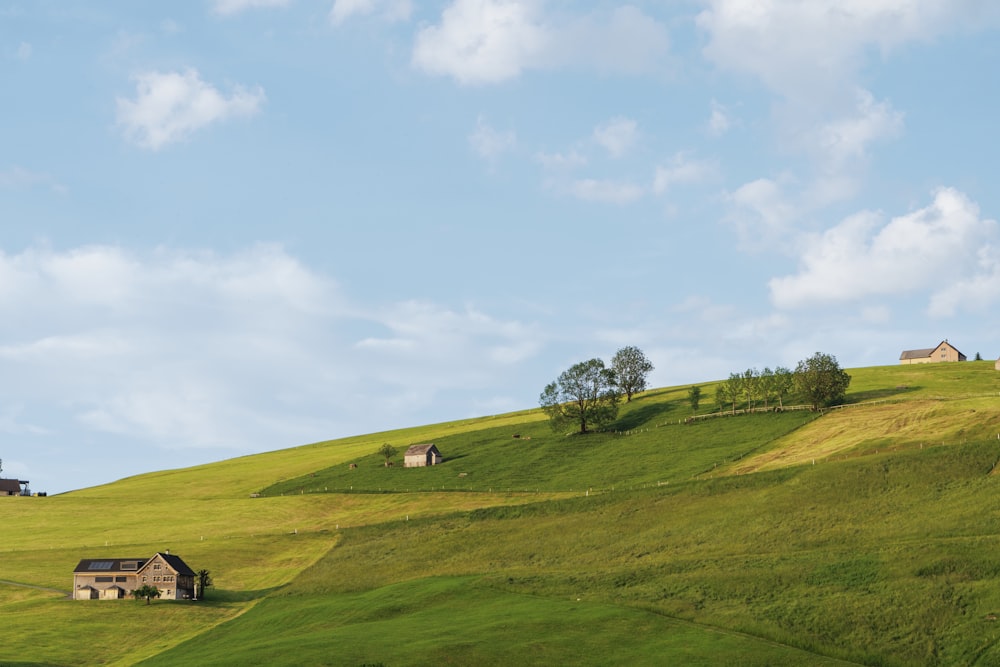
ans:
x=863 y=535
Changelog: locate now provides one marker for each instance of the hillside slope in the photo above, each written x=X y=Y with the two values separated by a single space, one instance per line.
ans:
x=893 y=529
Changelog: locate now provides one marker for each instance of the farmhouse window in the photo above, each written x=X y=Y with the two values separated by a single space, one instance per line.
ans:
x=103 y=580
x=119 y=579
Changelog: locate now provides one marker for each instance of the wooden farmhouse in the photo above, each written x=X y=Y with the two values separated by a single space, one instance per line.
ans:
x=116 y=578
x=419 y=456
x=12 y=487
x=945 y=351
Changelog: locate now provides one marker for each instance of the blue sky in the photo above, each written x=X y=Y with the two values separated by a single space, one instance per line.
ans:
x=232 y=226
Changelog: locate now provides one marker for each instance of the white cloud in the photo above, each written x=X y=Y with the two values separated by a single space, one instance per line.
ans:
x=802 y=48
x=617 y=136
x=170 y=106
x=489 y=41
x=490 y=143
x=681 y=171
x=24 y=51
x=230 y=7
x=846 y=140
x=763 y=213
x=607 y=192
x=943 y=249
x=481 y=41
x=390 y=10
x=719 y=120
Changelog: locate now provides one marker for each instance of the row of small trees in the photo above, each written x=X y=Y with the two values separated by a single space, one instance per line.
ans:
x=587 y=394
x=818 y=379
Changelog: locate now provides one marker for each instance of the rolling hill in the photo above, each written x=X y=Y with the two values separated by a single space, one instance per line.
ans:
x=867 y=535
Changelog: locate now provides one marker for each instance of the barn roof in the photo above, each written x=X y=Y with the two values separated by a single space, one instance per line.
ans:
x=417 y=450
x=10 y=485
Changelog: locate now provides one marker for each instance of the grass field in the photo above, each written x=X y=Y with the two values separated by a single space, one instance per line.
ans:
x=865 y=535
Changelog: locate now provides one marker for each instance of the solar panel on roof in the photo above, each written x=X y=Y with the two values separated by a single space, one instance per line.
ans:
x=101 y=565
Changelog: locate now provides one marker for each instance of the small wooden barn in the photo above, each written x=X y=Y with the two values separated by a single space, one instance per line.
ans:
x=12 y=487
x=419 y=456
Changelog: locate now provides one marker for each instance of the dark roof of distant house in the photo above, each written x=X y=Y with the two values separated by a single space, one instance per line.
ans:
x=99 y=565
x=917 y=354
x=416 y=450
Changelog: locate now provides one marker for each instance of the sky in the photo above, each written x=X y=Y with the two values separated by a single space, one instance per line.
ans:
x=235 y=226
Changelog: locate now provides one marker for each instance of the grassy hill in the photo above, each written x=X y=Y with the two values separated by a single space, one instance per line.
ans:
x=863 y=535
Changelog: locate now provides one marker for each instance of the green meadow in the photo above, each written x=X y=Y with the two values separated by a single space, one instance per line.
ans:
x=868 y=534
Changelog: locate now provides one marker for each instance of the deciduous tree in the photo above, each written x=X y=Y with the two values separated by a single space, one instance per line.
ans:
x=750 y=386
x=146 y=591
x=728 y=391
x=387 y=451
x=821 y=380
x=694 y=398
x=631 y=368
x=781 y=384
x=586 y=395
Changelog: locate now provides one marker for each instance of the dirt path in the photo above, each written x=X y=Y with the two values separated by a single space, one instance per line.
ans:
x=37 y=588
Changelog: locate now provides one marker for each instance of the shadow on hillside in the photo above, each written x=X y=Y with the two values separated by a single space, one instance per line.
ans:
x=224 y=595
x=881 y=394
x=640 y=416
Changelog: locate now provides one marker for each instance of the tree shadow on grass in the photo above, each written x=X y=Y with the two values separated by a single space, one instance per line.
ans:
x=881 y=394
x=641 y=416
x=225 y=595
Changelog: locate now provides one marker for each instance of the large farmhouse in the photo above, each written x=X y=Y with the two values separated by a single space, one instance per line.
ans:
x=945 y=351
x=419 y=456
x=116 y=578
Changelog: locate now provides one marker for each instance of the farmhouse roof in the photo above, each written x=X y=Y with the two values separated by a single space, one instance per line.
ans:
x=175 y=562
x=415 y=450
x=917 y=354
x=99 y=565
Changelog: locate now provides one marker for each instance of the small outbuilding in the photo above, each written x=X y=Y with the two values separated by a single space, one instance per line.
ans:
x=419 y=456
x=13 y=487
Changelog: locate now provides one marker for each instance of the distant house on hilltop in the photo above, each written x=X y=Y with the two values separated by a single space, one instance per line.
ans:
x=116 y=578
x=945 y=351
x=12 y=487
x=419 y=456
